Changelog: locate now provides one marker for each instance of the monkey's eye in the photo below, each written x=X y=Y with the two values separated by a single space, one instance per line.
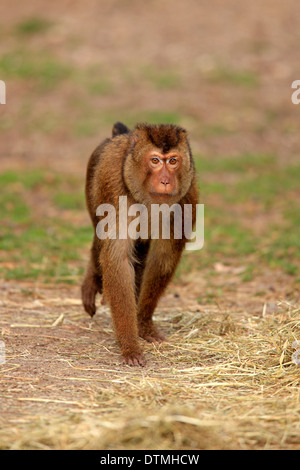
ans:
x=155 y=160
x=172 y=161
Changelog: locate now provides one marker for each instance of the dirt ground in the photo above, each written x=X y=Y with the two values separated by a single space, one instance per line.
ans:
x=59 y=362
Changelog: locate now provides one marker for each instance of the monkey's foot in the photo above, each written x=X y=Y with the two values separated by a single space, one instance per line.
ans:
x=133 y=359
x=88 y=299
x=151 y=334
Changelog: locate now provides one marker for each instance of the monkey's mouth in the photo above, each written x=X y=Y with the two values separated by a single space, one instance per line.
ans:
x=163 y=195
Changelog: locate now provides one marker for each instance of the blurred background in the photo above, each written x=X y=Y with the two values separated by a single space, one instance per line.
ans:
x=223 y=70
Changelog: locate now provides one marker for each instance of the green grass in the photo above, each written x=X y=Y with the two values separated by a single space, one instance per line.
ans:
x=33 y=25
x=269 y=186
x=229 y=183
x=46 y=247
x=50 y=253
x=235 y=77
x=86 y=126
x=28 y=179
x=243 y=163
x=156 y=116
x=100 y=86
x=51 y=249
x=95 y=80
x=256 y=177
x=215 y=130
x=158 y=78
x=47 y=122
x=159 y=117
x=161 y=78
x=89 y=123
x=69 y=200
x=35 y=246
x=40 y=67
x=14 y=208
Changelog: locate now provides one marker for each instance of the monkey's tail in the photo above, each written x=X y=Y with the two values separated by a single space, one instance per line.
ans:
x=119 y=128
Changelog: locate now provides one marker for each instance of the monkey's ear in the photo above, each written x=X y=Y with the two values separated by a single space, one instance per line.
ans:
x=134 y=140
x=119 y=128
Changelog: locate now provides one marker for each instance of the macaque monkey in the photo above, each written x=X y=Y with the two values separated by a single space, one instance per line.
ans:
x=151 y=164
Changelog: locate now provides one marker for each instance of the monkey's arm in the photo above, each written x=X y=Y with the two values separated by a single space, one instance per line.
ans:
x=119 y=292
x=162 y=261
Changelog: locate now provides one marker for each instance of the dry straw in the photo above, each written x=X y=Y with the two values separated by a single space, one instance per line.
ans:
x=223 y=381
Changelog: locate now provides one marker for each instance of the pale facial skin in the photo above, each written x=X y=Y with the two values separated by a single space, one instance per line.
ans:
x=163 y=168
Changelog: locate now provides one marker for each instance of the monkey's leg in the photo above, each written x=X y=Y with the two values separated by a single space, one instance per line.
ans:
x=92 y=282
x=119 y=292
x=141 y=251
x=89 y=288
x=160 y=267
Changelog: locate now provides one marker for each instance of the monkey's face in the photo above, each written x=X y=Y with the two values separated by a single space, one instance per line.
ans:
x=162 y=180
x=159 y=167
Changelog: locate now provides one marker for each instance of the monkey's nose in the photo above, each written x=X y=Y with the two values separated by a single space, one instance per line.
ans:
x=165 y=182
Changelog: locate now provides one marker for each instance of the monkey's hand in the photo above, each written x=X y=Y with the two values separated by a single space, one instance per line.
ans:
x=134 y=359
x=88 y=298
x=148 y=332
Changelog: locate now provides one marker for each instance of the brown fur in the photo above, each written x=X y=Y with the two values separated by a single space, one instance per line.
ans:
x=133 y=274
